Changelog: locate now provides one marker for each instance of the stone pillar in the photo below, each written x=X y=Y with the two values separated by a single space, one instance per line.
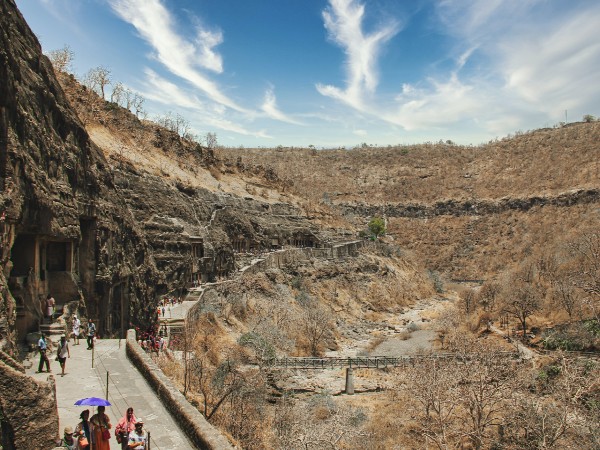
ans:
x=349 y=381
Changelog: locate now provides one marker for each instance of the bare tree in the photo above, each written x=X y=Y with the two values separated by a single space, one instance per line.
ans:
x=435 y=390
x=586 y=270
x=315 y=323
x=467 y=300
x=211 y=140
x=486 y=384
x=521 y=295
x=138 y=105
x=62 y=59
x=488 y=295
x=118 y=93
x=535 y=424
x=566 y=297
x=97 y=79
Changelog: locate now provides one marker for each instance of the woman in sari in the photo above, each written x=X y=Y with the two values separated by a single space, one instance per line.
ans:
x=83 y=430
x=125 y=426
x=100 y=425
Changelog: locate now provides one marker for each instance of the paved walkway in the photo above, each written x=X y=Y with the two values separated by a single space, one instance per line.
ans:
x=126 y=387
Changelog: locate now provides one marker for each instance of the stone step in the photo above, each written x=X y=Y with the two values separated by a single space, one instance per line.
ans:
x=54 y=329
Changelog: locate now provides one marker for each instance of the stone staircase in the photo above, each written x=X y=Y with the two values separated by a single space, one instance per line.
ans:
x=53 y=331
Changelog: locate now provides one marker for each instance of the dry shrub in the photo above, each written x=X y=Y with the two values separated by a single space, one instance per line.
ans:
x=477 y=320
x=404 y=335
x=321 y=413
x=172 y=369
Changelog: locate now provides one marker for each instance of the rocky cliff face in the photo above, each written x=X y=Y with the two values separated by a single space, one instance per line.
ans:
x=64 y=228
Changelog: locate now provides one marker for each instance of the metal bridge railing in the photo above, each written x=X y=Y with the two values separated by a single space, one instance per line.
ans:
x=368 y=362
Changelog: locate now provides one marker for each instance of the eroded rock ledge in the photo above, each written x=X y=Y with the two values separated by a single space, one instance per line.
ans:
x=473 y=207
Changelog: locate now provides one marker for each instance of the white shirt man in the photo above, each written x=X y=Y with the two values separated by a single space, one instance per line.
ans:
x=138 y=438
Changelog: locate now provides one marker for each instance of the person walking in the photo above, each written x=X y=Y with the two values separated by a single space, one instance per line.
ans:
x=138 y=438
x=76 y=329
x=100 y=430
x=90 y=334
x=82 y=430
x=43 y=347
x=125 y=426
x=62 y=353
x=50 y=302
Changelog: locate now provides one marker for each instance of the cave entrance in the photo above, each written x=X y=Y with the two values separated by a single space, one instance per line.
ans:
x=86 y=263
x=24 y=283
x=58 y=260
x=119 y=317
x=240 y=245
x=197 y=256
x=23 y=255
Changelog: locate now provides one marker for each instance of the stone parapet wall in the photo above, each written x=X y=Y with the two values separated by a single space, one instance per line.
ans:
x=202 y=434
x=281 y=258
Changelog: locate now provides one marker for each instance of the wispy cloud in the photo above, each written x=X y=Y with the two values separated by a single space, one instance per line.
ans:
x=163 y=91
x=344 y=23
x=180 y=56
x=516 y=63
x=270 y=108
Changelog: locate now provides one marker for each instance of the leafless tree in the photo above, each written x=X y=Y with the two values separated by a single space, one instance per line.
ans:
x=315 y=323
x=566 y=296
x=211 y=140
x=97 y=79
x=118 y=93
x=485 y=387
x=586 y=270
x=434 y=388
x=488 y=295
x=62 y=59
x=467 y=300
x=522 y=295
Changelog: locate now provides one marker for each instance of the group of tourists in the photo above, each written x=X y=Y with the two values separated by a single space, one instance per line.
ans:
x=94 y=433
x=150 y=341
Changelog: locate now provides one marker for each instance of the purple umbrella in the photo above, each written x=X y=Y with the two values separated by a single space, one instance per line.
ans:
x=92 y=401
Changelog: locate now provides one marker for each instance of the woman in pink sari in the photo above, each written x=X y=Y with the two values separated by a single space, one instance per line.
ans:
x=124 y=427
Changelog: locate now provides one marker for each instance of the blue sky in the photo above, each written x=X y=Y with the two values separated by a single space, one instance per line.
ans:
x=336 y=73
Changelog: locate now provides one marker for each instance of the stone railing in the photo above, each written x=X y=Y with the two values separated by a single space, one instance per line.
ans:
x=202 y=434
x=281 y=258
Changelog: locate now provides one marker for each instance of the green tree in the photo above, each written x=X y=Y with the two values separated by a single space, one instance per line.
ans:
x=377 y=226
x=588 y=118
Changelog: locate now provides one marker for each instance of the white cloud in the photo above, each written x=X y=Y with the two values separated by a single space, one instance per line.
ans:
x=559 y=67
x=269 y=106
x=344 y=23
x=517 y=64
x=180 y=56
x=208 y=58
x=161 y=90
